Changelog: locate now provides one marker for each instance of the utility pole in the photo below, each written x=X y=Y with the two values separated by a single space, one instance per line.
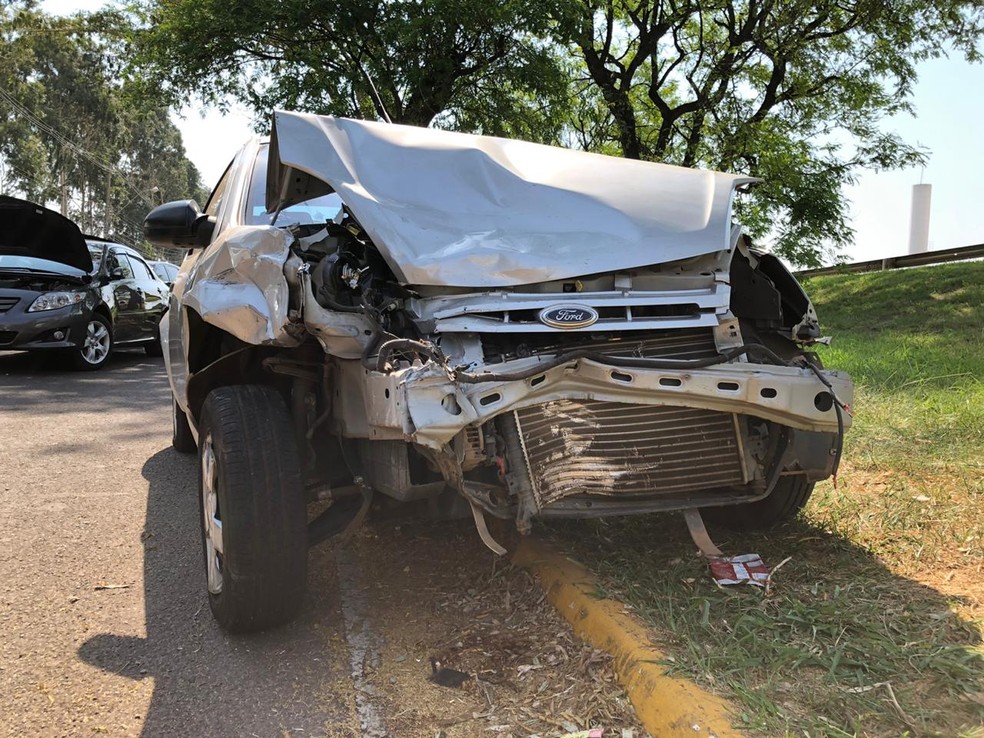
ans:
x=63 y=184
x=109 y=205
x=63 y=180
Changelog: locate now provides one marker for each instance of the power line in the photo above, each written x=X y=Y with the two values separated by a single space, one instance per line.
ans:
x=72 y=145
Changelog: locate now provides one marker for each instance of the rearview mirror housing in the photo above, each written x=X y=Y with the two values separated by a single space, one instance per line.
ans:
x=178 y=224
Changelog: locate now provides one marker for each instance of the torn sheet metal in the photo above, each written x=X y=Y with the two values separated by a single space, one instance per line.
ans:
x=238 y=285
x=461 y=210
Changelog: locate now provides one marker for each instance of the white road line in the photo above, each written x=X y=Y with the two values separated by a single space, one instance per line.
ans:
x=362 y=642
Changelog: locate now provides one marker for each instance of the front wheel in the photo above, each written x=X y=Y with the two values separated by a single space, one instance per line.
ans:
x=254 y=523
x=783 y=504
x=97 y=344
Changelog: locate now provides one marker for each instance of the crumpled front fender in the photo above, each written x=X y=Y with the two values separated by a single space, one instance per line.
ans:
x=238 y=285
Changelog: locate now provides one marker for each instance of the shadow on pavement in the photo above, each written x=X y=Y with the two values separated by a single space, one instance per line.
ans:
x=130 y=379
x=205 y=681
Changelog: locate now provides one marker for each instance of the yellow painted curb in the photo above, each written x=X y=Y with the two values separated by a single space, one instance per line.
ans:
x=667 y=706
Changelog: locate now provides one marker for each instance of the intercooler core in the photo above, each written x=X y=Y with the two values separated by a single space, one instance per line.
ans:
x=587 y=447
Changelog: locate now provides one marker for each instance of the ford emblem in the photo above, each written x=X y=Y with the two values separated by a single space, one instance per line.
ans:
x=568 y=316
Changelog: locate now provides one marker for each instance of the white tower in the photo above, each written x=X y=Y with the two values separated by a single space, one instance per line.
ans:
x=922 y=195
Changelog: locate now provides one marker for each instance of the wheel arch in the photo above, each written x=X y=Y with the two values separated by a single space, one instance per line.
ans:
x=220 y=359
x=103 y=310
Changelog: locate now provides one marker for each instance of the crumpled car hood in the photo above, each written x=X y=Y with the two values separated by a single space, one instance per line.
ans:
x=460 y=210
x=27 y=229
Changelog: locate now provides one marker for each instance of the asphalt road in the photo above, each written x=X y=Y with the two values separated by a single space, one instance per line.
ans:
x=104 y=629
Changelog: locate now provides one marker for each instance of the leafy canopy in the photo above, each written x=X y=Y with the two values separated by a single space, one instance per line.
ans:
x=791 y=91
x=468 y=64
x=70 y=124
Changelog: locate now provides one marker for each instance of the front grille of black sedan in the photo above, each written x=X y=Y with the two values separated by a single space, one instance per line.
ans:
x=7 y=337
x=8 y=302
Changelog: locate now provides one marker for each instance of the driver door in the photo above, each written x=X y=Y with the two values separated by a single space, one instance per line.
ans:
x=127 y=298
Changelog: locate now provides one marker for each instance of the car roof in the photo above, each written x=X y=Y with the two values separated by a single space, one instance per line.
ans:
x=95 y=243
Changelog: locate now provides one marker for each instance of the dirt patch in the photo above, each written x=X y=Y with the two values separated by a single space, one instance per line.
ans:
x=437 y=593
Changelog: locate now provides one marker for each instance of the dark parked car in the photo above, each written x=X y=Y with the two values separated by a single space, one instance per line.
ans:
x=60 y=290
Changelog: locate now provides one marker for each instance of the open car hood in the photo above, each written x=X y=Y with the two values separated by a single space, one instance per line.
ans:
x=27 y=229
x=460 y=210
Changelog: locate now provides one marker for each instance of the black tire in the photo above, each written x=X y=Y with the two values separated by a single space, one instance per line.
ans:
x=154 y=347
x=97 y=345
x=782 y=505
x=255 y=491
x=181 y=438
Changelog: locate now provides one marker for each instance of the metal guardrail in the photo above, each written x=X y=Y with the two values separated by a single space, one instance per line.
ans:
x=898 y=262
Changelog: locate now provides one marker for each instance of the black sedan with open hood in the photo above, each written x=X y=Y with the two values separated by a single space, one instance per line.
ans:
x=62 y=290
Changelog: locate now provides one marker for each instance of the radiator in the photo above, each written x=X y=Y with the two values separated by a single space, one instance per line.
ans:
x=576 y=447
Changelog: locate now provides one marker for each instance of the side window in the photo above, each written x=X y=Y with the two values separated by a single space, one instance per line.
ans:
x=215 y=199
x=119 y=261
x=141 y=269
x=316 y=209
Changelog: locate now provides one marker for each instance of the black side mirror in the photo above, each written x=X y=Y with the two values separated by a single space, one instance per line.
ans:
x=178 y=224
x=116 y=273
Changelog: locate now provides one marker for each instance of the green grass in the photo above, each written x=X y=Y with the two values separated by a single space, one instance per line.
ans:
x=911 y=339
x=872 y=628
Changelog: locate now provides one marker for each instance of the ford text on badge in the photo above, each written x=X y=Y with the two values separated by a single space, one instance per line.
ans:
x=568 y=316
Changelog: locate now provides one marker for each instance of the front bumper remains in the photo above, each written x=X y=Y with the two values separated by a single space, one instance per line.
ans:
x=425 y=406
x=23 y=331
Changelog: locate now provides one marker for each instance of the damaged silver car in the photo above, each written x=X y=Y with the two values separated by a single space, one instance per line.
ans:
x=516 y=330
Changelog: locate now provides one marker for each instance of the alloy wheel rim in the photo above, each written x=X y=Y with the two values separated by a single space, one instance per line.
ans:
x=95 y=348
x=212 y=522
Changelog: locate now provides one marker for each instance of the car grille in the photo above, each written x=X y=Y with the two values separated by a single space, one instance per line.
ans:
x=7 y=337
x=616 y=449
x=669 y=344
x=8 y=302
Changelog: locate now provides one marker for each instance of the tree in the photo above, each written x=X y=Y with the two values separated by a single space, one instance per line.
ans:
x=71 y=129
x=458 y=63
x=790 y=91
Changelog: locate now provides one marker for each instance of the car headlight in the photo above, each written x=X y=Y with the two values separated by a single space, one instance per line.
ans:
x=55 y=300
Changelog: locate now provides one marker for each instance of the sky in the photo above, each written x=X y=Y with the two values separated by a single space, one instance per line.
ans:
x=949 y=107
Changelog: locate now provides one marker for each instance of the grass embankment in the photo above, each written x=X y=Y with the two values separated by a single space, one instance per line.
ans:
x=873 y=628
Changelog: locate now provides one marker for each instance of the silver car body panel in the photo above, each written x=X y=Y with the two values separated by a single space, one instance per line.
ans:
x=494 y=312
x=238 y=285
x=461 y=210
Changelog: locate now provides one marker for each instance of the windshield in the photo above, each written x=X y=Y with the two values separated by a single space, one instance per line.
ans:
x=318 y=210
